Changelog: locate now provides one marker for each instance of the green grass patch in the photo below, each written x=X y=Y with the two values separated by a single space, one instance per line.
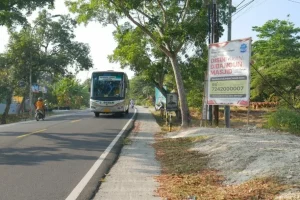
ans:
x=162 y=122
x=16 y=118
x=285 y=120
x=127 y=141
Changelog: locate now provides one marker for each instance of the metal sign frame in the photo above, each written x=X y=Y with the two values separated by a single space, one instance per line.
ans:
x=172 y=102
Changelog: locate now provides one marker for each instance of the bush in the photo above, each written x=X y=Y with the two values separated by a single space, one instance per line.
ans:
x=285 y=120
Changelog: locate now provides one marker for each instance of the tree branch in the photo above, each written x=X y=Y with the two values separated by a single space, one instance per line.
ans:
x=143 y=28
x=184 y=10
x=163 y=11
x=159 y=29
x=164 y=49
x=182 y=42
x=145 y=14
x=140 y=21
x=179 y=47
x=161 y=89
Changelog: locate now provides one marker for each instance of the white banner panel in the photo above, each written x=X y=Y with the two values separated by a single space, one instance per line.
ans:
x=229 y=73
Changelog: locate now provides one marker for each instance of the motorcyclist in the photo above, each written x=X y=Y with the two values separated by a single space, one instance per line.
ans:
x=159 y=106
x=40 y=106
x=131 y=103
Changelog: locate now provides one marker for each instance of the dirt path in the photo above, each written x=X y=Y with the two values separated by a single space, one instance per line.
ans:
x=245 y=153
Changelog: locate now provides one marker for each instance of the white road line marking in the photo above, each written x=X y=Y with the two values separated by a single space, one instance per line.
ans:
x=81 y=185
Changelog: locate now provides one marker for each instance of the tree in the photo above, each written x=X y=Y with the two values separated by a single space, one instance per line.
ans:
x=7 y=84
x=58 y=49
x=47 y=50
x=193 y=75
x=169 y=25
x=140 y=88
x=15 y=11
x=134 y=52
x=3 y=77
x=276 y=57
x=70 y=92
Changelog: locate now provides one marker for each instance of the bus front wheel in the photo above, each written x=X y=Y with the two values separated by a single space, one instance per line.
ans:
x=97 y=114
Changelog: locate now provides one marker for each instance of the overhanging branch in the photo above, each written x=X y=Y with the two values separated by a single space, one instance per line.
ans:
x=184 y=11
x=163 y=11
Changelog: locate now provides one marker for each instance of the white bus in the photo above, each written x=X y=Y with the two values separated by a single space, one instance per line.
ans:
x=109 y=92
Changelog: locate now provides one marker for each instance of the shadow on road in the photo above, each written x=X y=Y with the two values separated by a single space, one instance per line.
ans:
x=59 y=147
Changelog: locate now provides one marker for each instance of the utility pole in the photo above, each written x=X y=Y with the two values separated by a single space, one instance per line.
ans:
x=30 y=90
x=206 y=109
x=211 y=40
x=216 y=40
x=227 y=107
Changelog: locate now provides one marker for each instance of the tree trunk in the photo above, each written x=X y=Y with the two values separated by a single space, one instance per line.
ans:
x=22 y=105
x=181 y=92
x=6 y=110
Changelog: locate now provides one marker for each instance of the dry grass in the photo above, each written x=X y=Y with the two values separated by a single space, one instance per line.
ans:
x=238 y=117
x=176 y=158
x=207 y=185
x=185 y=174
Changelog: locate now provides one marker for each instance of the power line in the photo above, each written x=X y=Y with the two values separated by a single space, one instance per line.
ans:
x=276 y=91
x=241 y=3
x=243 y=7
x=257 y=4
x=294 y=1
x=245 y=10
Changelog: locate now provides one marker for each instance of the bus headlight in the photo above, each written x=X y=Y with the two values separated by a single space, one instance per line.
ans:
x=120 y=105
x=95 y=103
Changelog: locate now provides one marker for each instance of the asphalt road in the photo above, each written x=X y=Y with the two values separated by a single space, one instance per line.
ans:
x=46 y=160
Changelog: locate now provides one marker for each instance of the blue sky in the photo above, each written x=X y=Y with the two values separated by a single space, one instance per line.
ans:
x=260 y=11
x=102 y=43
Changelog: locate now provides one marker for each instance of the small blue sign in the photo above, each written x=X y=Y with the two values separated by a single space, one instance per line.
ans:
x=159 y=97
x=243 y=48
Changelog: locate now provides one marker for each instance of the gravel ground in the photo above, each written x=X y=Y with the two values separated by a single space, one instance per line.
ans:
x=245 y=153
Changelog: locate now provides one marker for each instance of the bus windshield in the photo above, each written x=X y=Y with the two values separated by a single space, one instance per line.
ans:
x=108 y=85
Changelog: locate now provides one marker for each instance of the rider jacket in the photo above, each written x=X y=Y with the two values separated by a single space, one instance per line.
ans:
x=39 y=105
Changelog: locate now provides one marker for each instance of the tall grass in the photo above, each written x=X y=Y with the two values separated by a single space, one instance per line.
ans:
x=285 y=120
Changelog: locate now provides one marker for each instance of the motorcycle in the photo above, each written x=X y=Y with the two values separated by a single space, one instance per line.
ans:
x=159 y=106
x=39 y=115
x=132 y=105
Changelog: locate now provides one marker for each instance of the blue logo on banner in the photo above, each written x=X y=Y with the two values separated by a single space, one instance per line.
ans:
x=243 y=48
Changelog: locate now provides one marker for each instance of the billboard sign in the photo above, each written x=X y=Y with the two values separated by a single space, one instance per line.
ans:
x=229 y=73
x=37 y=88
x=172 y=102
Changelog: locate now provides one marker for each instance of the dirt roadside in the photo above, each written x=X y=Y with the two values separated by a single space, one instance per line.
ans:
x=242 y=154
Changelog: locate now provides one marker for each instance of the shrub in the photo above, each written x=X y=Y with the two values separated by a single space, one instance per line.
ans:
x=286 y=120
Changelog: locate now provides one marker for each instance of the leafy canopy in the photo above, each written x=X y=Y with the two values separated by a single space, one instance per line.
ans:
x=276 y=57
x=12 y=11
